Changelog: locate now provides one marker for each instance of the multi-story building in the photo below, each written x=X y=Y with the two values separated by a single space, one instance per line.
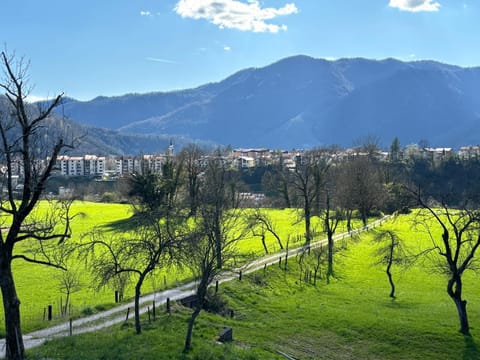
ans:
x=88 y=165
x=94 y=165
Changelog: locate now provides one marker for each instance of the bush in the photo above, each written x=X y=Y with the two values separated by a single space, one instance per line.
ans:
x=214 y=303
x=109 y=197
x=87 y=311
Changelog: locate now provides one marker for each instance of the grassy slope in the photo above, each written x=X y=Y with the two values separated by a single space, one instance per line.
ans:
x=351 y=318
x=37 y=286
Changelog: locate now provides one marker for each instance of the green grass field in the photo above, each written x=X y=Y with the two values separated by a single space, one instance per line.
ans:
x=350 y=318
x=38 y=286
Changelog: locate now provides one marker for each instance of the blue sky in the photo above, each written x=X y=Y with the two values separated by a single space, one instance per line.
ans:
x=112 y=47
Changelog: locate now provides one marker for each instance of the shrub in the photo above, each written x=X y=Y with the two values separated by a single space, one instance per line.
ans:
x=214 y=303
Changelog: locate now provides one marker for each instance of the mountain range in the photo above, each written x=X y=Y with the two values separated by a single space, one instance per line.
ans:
x=301 y=102
x=298 y=102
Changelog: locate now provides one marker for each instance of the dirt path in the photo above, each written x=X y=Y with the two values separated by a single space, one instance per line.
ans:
x=117 y=314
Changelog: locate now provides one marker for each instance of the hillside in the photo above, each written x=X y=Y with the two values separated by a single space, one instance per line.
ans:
x=302 y=102
x=102 y=141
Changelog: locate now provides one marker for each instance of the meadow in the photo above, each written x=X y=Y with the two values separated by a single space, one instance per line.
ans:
x=38 y=286
x=278 y=311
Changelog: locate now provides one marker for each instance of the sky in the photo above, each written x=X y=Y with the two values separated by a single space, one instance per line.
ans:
x=95 y=48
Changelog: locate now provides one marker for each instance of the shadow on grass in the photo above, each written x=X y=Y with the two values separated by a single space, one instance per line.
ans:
x=123 y=225
x=471 y=350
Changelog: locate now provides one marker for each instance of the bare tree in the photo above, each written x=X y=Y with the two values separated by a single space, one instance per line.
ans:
x=68 y=284
x=119 y=283
x=260 y=224
x=331 y=217
x=307 y=181
x=390 y=251
x=152 y=243
x=218 y=201
x=276 y=180
x=219 y=225
x=368 y=145
x=138 y=253
x=190 y=157
x=362 y=185
x=202 y=259
x=28 y=158
x=456 y=248
x=319 y=254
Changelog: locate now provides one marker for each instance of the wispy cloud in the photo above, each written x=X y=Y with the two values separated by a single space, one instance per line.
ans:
x=227 y=48
x=164 y=61
x=145 y=13
x=235 y=14
x=415 y=5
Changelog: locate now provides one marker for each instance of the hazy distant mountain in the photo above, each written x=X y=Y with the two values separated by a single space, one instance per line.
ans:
x=304 y=102
x=92 y=140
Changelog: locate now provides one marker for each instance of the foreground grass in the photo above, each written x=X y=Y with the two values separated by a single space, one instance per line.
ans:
x=276 y=310
x=38 y=286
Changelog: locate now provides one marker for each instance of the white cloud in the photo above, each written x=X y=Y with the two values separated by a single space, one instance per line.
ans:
x=227 y=48
x=415 y=5
x=164 y=61
x=235 y=14
x=145 y=13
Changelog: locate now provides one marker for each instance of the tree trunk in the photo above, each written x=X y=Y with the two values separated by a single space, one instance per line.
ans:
x=193 y=196
x=264 y=244
x=454 y=289
x=14 y=349
x=330 y=255
x=389 y=265
x=462 y=315
x=278 y=240
x=390 y=280
x=191 y=322
x=286 y=197
x=308 y=234
x=364 y=217
x=218 y=240
x=67 y=300
x=201 y=293
x=349 y=220
x=138 y=288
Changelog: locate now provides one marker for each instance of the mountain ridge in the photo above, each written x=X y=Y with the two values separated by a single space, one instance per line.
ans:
x=301 y=101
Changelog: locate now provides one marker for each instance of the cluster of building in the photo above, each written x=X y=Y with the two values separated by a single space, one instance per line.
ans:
x=112 y=166
x=116 y=166
x=100 y=166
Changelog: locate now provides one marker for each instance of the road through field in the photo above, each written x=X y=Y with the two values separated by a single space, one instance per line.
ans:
x=117 y=314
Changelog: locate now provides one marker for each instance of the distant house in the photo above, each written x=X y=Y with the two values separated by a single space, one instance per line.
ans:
x=245 y=162
x=260 y=156
x=469 y=152
x=438 y=154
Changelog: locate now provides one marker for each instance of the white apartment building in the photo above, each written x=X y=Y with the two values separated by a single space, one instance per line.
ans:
x=94 y=165
x=88 y=165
